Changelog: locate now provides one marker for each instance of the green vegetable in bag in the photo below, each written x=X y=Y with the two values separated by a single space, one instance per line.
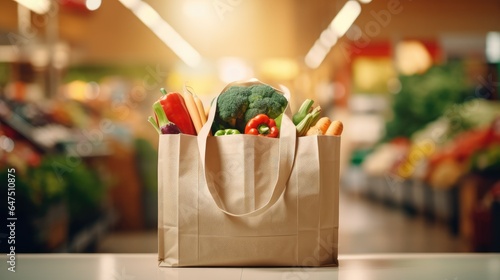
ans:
x=239 y=104
x=228 y=131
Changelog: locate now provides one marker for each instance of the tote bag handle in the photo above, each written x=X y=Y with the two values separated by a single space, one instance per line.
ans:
x=287 y=142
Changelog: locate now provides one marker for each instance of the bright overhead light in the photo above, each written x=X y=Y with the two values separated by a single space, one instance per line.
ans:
x=493 y=47
x=177 y=44
x=37 y=6
x=313 y=61
x=365 y=1
x=131 y=4
x=196 y=9
x=147 y=15
x=167 y=34
x=338 y=27
x=328 y=38
x=345 y=17
x=316 y=55
x=412 y=57
x=93 y=5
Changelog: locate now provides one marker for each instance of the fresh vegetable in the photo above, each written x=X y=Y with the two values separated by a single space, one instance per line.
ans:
x=335 y=128
x=265 y=100
x=310 y=119
x=201 y=110
x=262 y=125
x=320 y=127
x=153 y=122
x=434 y=94
x=164 y=126
x=313 y=130
x=227 y=131
x=322 y=124
x=192 y=109
x=175 y=109
x=170 y=128
x=207 y=110
x=238 y=104
x=304 y=109
x=278 y=120
x=231 y=107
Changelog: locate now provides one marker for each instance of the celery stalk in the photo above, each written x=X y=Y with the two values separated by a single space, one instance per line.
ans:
x=304 y=109
x=309 y=120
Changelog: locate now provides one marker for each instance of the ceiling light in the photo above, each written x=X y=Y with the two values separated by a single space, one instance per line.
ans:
x=316 y=55
x=337 y=28
x=412 y=57
x=493 y=47
x=37 y=6
x=164 y=31
x=177 y=44
x=147 y=15
x=131 y=4
x=345 y=17
x=93 y=5
x=328 y=38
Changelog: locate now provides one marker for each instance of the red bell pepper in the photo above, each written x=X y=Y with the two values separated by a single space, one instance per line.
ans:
x=174 y=106
x=262 y=125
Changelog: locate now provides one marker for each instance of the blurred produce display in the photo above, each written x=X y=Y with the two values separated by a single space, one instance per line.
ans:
x=440 y=156
x=58 y=191
x=147 y=165
x=424 y=98
x=83 y=166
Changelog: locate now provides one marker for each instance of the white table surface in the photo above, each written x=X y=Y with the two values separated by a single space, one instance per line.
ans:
x=144 y=266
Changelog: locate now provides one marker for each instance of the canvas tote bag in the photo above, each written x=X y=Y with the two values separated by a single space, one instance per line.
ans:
x=242 y=200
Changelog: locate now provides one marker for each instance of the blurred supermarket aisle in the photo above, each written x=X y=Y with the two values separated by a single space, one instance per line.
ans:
x=365 y=227
x=370 y=227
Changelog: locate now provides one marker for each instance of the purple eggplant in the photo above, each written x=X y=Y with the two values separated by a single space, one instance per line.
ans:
x=161 y=124
x=170 y=128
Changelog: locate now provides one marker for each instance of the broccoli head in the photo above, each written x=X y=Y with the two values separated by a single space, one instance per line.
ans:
x=231 y=107
x=238 y=104
x=265 y=100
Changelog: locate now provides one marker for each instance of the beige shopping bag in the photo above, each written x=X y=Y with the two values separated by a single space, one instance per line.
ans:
x=243 y=200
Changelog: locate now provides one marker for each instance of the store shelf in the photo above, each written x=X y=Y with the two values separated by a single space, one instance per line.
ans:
x=52 y=137
x=462 y=207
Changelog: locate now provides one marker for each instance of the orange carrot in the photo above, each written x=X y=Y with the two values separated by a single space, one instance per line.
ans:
x=193 y=109
x=335 y=128
x=201 y=110
x=313 y=130
x=322 y=124
x=207 y=110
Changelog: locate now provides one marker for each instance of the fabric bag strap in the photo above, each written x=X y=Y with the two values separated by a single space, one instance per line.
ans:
x=287 y=146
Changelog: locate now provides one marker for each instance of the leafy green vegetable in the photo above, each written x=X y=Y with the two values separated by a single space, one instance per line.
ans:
x=231 y=107
x=238 y=104
x=265 y=100
x=304 y=109
x=425 y=97
x=85 y=192
x=310 y=118
x=228 y=131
